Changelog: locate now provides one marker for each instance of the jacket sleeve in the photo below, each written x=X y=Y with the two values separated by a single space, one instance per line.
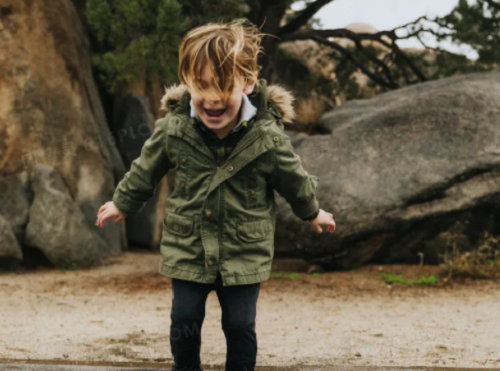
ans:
x=292 y=182
x=139 y=183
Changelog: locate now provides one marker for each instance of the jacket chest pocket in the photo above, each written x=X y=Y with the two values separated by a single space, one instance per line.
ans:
x=182 y=174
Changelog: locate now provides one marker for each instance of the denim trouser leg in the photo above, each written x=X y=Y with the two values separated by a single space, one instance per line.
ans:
x=239 y=310
x=188 y=313
x=238 y=304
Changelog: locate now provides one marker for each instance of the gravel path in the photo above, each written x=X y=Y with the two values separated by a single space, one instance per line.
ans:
x=121 y=312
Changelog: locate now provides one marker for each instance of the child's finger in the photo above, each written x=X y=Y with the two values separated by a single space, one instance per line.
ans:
x=104 y=218
x=101 y=209
x=99 y=220
x=118 y=218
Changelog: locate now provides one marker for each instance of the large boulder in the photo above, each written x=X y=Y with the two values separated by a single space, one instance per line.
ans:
x=57 y=226
x=407 y=173
x=51 y=111
x=133 y=125
x=15 y=200
x=9 y=247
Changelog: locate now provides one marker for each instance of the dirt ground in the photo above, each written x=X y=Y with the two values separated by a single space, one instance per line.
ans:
x=121 y=312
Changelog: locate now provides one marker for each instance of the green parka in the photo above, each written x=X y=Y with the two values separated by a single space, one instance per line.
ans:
x=220 y=218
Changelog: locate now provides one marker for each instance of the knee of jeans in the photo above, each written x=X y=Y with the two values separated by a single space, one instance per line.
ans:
x=185 y=330
x=238 y=323
x=187 y=316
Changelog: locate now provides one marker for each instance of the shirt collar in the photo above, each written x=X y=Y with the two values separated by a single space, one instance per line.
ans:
x=248 y=110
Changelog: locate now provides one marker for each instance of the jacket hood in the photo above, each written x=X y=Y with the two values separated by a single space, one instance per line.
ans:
x=282 y=98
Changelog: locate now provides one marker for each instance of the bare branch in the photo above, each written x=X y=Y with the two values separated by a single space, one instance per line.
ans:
x=364 y=57
x=311 y=35
x=301 y=20
x=376 y=37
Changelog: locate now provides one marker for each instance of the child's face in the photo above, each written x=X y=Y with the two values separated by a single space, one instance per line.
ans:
x=219 y=117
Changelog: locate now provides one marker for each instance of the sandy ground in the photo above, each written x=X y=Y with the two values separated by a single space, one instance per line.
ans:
x=121 y=312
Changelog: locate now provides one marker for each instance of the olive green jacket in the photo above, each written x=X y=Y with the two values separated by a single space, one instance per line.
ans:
x=220 y=218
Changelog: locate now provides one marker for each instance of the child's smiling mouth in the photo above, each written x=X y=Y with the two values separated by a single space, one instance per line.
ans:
x=215 y=114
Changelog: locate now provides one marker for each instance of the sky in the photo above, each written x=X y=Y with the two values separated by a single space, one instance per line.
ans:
x=386 y=15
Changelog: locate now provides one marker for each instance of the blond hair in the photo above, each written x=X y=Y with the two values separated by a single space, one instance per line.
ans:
x=229 y=49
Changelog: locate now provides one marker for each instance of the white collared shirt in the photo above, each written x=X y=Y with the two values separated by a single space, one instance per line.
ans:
x=248 y=110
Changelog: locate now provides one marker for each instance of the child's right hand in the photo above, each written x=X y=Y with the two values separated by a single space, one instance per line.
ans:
x=109 y=210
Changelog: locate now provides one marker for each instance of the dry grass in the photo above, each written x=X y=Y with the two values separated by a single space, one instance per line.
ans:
x=484 y=262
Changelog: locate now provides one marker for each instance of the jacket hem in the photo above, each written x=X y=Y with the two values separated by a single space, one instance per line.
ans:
x=210 y=277
x=246 y=279
x=188 y=275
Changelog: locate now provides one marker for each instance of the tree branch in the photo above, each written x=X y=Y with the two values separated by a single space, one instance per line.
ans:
x=301 y=20
x=385 y=38
x=311 y=35
x=378 y=68
x=376 y=37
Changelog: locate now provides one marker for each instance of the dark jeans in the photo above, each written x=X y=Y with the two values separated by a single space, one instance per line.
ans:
x=238 y=304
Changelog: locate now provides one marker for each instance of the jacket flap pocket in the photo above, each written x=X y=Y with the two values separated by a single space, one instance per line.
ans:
x=180 y=225
x=254 y=231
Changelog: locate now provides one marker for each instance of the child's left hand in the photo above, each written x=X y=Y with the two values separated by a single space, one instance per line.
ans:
x=323 y=218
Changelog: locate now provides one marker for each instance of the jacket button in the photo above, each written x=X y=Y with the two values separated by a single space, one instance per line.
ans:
x=276 y=139
x=182 y=184
x=230 y=168
x=208 y=213
x=210 y=262
x=254 y=170
x=183 y=160
x=253 y=192
x=205 y=160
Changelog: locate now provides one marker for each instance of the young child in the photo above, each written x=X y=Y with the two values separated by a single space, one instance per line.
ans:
x=223 y=134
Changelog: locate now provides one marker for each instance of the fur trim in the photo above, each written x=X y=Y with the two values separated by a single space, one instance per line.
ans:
x=173 y=93
x=279 y=95
x=283 y=100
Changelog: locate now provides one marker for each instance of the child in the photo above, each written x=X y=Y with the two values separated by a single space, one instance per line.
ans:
x=223 y=134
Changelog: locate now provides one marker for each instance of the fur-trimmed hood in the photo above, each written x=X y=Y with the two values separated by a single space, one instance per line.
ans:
x=282 y=98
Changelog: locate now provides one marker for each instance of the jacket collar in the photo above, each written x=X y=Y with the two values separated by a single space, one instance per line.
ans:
x=248 y=110
x=272 y=99
x=271 y=102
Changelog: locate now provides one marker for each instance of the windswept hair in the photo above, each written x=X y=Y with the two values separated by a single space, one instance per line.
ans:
x=229 y=49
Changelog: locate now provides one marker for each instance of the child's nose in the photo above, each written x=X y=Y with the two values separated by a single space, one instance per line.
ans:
x=213 y=97
x=214 y=100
